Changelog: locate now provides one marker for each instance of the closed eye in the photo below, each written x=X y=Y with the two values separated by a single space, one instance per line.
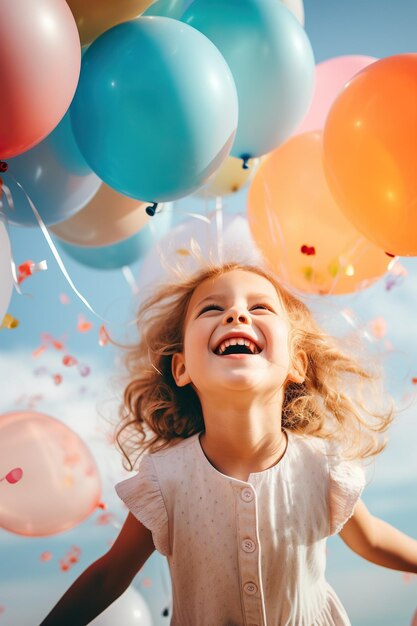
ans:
x=263 y=306
x=210 y=307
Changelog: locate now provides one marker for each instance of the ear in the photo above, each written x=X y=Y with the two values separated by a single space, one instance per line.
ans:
x=179 y=371
x=298 y=369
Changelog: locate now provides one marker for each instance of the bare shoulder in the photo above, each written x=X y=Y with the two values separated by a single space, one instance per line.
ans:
x=358 y=532
x=131 y=549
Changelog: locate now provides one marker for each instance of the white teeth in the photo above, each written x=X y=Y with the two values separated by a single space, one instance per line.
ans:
x=241 y=341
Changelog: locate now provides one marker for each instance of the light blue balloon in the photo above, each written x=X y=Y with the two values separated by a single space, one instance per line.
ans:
x=271 y=60
x=54 y=175
x=166 y=8
x=155 y=111
x=125 y=252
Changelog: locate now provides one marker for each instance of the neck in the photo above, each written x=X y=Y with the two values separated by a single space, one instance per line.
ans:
x=243 y=438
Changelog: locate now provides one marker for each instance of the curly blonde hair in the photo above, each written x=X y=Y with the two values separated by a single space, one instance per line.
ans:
x=155 y=413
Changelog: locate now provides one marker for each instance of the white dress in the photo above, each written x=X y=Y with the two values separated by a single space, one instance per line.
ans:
x=247 y=553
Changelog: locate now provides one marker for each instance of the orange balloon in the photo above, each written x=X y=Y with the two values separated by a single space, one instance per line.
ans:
x=108 y=218
x=299 y=228
x=370 y=140
x=48 y=478
x=93 y=17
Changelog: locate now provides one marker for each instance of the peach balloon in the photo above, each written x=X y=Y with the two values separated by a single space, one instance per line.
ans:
x=331 y=77
x=93 y=17
x=108 y=218
x=299 y=228
x=370 y=140
x=39 y=70
x=57 y=483
x=229 y=178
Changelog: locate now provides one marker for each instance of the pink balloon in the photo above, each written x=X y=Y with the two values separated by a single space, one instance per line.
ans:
x=331 y=77
x=51 y=480
x=39 y=68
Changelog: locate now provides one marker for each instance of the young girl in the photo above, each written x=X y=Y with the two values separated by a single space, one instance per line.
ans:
x=255 y=436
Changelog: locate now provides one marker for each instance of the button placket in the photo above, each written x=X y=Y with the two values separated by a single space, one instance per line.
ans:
x=249 y=556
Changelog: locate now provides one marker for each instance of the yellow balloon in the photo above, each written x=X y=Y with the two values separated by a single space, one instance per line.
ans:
x=229 y=178
x=108 y=218
x=300 y=229
x=93 y=17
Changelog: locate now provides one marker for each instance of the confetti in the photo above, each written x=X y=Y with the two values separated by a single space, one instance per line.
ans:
x=9 y=322
x=378 y=327
x=37 y=353
x=104 y=519
x=84 y=370
x=45 y=556
x=13 y=476
x=309 y=250
x=102 y=505
x=57 y=378
x=47 y=339
x=103 y=336
x=414 y=381
x=69 y=360
x=182 y=252
x=83 y=325
x=63 y=298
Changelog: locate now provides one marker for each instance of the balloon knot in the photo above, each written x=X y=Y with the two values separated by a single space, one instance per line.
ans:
x=245 y=158
x=151 y=210
x=3 y=166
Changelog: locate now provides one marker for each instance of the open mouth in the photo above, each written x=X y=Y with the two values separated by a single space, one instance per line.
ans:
x=240 y=345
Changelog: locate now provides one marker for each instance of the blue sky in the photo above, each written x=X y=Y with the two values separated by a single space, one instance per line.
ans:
x=373 y=596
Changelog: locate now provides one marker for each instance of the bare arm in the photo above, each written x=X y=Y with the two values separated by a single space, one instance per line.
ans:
x=106 y=579
x=379 y=542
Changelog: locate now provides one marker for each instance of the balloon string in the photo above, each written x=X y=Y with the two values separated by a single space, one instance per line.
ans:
x=56 y=253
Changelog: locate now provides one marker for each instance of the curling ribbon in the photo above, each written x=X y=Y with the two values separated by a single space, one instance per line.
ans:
x=52 y=247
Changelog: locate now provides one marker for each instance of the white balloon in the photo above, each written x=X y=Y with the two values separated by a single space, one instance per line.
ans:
x=195 y=242
x=128 y=610
x=297 y=8
x=6 y=277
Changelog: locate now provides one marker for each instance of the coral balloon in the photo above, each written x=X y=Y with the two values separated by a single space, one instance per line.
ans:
x=59 y=485
x=331 y=77
x=39 y=70
x=229 y=178
x=6 y=276
x=370 y=140
x=155 y=112
x=272 y=63
x=95 y=16
x=297 y=224
x=108 y=218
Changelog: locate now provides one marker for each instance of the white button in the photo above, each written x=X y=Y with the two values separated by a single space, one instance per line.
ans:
x=248 y=545
x=250 y=588
x=246 y=495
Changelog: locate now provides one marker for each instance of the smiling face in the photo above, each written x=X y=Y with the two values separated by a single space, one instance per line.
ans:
x=236 y=337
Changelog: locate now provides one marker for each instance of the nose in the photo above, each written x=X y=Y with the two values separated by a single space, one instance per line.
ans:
x=237 y=315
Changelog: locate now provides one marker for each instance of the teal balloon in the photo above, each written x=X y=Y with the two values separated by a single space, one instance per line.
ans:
x=271 y=60
x=54 y=175
x=166 y=8
x=125 y=252
x=155 y=112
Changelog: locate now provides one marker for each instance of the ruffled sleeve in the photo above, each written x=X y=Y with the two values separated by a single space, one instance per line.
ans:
x=142 y=495
x=347 y=480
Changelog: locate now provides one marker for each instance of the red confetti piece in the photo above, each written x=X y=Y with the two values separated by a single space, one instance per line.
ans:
x=13 y=476
x=63 y=298
x=83 y=325
x=64 y=566
x=414 y=381
x=102 y=505
x=308 y=250
x=46 y=338
x=104 y=519
x=46 y=556
x=103 y=336
x=69 y=360
x=57 y=378
x=37 y=353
